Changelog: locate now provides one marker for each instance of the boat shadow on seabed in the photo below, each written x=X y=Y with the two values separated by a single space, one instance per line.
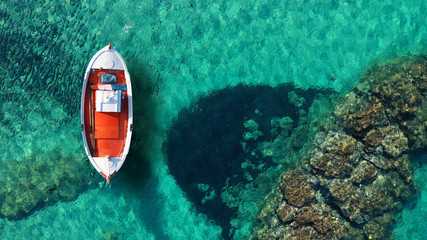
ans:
x=136 y=175
x=137 y=169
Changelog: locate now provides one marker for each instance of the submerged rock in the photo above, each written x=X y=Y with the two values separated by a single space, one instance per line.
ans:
x=358 y=167
x=296 y=190
x=370 y=117
x=394 y=141
x=42 y=181
x=229 y=142
x=335 y=155
x=363 y=172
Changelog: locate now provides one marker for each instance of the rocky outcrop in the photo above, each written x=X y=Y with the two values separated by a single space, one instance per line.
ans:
x=218 y=147
x=42 y=181
x=296 y=190
x=357 y=174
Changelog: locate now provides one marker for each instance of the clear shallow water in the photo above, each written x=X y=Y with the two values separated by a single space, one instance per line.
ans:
x=175 y=51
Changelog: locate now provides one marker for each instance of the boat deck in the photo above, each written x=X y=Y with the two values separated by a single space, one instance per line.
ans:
x=105 y=131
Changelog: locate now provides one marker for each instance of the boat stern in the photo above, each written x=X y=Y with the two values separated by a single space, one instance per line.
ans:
x=107 y=166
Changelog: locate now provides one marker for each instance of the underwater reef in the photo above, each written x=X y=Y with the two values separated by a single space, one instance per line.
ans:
x=43 y=164
x=34 y=184
x=357 y=174
x=43 y=159
x=227 y=149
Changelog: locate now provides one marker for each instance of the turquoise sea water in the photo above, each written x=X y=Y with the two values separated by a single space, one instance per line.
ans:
x=176 y=52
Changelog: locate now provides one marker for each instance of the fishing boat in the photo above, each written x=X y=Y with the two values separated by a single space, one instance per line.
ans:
x=106 y=111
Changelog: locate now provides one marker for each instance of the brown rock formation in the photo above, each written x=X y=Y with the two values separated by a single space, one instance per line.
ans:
x=357 y=174
x=296 y=190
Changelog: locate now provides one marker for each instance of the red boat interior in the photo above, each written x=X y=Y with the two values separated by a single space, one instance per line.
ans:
x=105 y=131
